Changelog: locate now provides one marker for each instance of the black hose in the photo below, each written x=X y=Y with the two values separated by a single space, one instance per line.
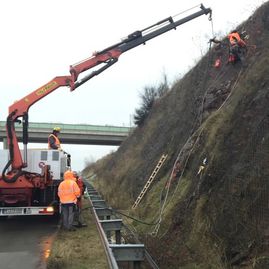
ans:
x=123 y=214
x=10 y=126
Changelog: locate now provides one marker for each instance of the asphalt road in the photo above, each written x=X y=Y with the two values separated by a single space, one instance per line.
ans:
x=25 y=241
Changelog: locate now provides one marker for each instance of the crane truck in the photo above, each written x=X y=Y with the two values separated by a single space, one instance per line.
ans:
x=30 y=177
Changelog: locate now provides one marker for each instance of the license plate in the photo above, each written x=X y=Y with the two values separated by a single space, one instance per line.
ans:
x=11 y=211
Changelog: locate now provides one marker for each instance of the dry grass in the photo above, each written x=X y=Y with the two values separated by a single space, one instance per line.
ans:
x=80 y=249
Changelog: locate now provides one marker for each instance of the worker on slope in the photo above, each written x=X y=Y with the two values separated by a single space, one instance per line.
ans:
x=236 y=45
x=53 y=140
x=68 y=192
x=78 y=220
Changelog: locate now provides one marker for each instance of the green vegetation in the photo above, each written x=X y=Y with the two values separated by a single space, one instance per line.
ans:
x=80 y=249
x=148 y=97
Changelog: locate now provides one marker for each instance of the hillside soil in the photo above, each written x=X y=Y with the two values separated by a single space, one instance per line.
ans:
x=216 y=119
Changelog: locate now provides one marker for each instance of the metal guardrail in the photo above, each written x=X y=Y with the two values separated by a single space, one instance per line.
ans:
x=118 y=252
x=108 y=252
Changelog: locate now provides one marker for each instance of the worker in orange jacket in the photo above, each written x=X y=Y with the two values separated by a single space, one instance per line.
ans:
x=68 y=192
x=78 y=216
x=235 y=38
x=53 y=139
x=236 y=45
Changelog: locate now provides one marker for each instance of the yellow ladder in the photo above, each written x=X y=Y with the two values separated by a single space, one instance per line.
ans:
x=151 y=178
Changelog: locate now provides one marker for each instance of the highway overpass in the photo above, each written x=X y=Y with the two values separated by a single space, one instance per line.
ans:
x=82 y=134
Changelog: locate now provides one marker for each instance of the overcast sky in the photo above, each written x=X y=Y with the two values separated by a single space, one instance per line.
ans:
x=41 y=39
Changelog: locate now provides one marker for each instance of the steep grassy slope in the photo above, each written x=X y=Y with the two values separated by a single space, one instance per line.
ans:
x=219 y=218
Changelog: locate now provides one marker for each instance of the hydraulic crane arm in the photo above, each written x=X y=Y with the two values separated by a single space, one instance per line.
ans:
x=106 y=57
x=20 y=109
x=110 y=55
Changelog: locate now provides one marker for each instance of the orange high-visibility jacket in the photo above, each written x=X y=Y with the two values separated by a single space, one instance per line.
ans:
x=235 y=38
x=57 y=141
x=68 y=191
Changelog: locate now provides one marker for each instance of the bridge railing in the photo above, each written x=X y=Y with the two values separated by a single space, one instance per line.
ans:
x=74 y=127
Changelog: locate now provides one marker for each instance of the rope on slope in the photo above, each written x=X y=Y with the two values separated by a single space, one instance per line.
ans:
x=198 y=132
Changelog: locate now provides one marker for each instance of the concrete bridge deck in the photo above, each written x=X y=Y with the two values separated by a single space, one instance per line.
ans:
x=82 y=134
